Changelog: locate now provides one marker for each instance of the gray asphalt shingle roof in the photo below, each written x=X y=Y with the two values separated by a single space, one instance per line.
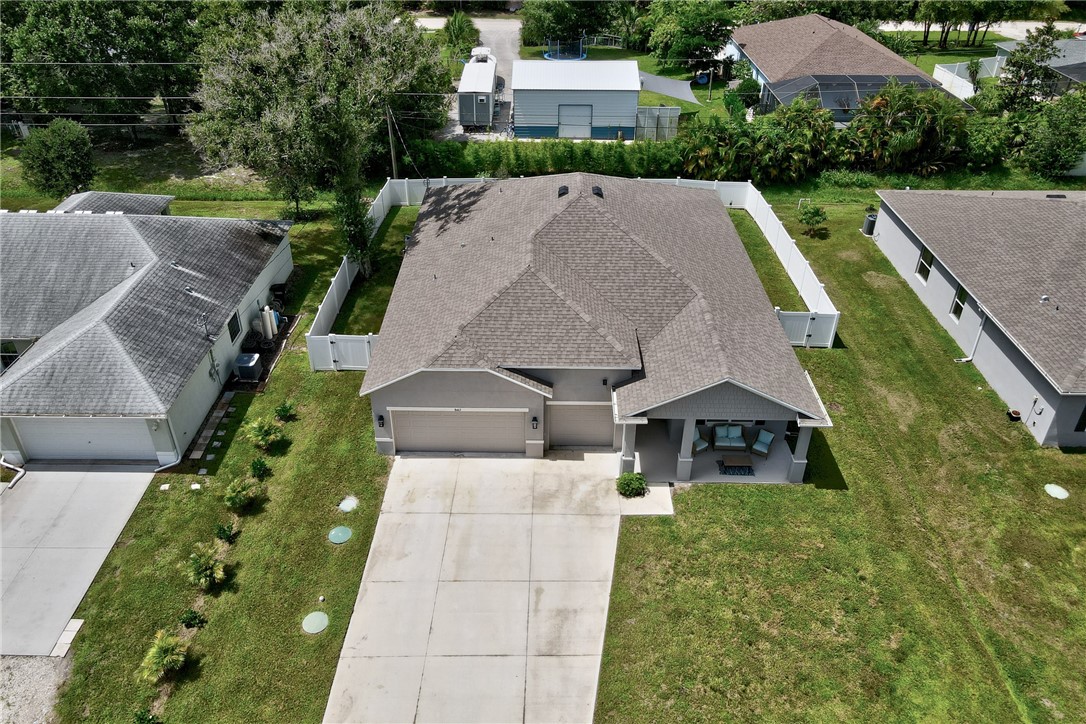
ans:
x=649 y=277
x=99 y=202
x=1008 y=249
x=105 y=296
x=815 y=45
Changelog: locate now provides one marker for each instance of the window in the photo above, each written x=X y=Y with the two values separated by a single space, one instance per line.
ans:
x=923 y=267
x=234 y=327
x=958 y=304
x=8 y=355
x=1081 y=426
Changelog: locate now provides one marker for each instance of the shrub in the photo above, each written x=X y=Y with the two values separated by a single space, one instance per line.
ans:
x=56 y=160
x=285 y=411
x=263 y=433
x=260 y=469
x=987 y=142
x=1056 y=140
x=225 y=531
x=631 y=485
x=812 y=217
x=240 y=494
x=144 y=716
x=846 y=178
x=166 y=655
x=204 y=567
x=749 y=91
x=193 y=619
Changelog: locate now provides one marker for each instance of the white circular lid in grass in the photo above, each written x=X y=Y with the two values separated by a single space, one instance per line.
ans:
x=340 y=534
x=348 y=504
x=315 y=622
x=1056 y=491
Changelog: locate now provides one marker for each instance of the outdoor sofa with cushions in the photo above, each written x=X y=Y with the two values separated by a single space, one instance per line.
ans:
x=729 y=437
x=762 y=442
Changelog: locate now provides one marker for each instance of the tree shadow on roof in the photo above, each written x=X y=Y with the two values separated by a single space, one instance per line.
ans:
x=450 y=206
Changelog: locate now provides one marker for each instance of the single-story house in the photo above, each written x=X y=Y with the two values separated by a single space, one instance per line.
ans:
x=578 y=310
x=813 y=57
x=575 y=99
x=120 y=324
x=1004 y=272
x=1069 y=64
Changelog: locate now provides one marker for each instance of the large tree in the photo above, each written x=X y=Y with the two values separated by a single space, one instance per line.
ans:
x=690 y=32
x=1026 y=75
x=98 y=59
x=302 y=98
x=563 y=20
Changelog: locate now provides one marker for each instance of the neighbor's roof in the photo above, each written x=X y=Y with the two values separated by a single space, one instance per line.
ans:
x=649 y=277
x=105 y=296
x=1071 y=60
x=478 y=77
x=814 y=45
x=1008 y=249
x=618 y=75
x=100 y=202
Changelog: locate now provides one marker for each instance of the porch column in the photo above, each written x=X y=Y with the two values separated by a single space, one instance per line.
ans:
x=627 y=459
x=799 y=457
x=686 y=458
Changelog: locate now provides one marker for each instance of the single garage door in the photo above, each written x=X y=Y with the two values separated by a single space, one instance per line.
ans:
x=463 y=431
x=86 y=439
x=581 y=425
x=575 y=121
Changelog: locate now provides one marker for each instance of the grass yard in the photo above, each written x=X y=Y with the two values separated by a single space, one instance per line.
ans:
x=364 y=307
x=922 y=575
x=929 y=56
x=782 y=292
x=252 y=660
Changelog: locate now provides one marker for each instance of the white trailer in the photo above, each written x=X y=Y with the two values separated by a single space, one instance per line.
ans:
x=477 y=90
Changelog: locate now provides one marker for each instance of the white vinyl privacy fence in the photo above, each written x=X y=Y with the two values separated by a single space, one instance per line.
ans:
x=954 y=77
x=813 y=328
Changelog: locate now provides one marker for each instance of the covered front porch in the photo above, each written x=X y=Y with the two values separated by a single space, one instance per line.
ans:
x=658 y=448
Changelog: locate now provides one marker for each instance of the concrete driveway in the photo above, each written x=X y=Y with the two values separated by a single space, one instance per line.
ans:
x=486 y=591
x=56 y=527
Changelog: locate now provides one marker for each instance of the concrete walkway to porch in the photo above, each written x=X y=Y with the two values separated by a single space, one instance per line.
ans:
x=486 y=591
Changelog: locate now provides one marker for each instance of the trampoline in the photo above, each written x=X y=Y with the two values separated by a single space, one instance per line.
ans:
x=565 y=49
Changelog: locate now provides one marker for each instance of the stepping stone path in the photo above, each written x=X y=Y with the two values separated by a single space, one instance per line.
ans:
x=217 y=416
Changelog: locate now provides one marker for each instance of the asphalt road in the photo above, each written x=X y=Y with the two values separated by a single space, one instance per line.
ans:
x=501 y=35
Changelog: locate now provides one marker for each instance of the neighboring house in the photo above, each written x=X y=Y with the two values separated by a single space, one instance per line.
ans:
x=821 y=59
x=575 y=99
x=1005 y=273
x=1069 y=65
x=125 y=325
x=582 y=310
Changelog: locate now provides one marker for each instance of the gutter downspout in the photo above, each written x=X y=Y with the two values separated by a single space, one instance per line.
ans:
x=976 y=342
x=180 y=453
x=19 y=473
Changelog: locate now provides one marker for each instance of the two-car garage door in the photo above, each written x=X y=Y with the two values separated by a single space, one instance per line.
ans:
x=71 y=438
x=489 y=431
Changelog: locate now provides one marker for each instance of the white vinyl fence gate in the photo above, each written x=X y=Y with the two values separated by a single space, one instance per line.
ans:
x=814 y=328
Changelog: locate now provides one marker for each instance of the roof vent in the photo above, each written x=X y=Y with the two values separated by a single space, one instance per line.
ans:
x=597 y=191
x=1045 y=299
x=1055 y=196
x=190 y=290
x=175 y=265
x=562 y=191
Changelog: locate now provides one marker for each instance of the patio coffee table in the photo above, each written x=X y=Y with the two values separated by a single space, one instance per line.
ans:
x=736 y=464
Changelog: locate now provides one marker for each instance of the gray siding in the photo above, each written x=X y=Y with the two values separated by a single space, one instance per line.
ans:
x=474 y=113
x=1008 y=371
x=723 y=402
x=534 y=108
x=455 y=390
x=580 y=385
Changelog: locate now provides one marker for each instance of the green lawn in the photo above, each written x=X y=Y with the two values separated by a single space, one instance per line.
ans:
x=780 y=289
x=364 y=307
x=252 y=661
x=930 y=56
x=922 y=575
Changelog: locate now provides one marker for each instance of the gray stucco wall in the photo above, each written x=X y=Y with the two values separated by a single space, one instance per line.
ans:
x=1009 y=372
x=453 y=390
x=723 y=402
x=609 y=108
x=581 y=385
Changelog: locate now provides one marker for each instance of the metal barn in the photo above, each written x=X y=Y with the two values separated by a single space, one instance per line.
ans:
x=476 y=91
x=575 y=99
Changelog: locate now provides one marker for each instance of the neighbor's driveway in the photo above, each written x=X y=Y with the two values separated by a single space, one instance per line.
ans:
x=56 y=527
x=486 y=591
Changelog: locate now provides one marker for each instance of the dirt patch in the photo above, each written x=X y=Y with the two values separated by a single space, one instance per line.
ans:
x=881 y=281
x=850 y=255
x=28 y=687
x=835 y=407
x=233 y=176
x=904 y=405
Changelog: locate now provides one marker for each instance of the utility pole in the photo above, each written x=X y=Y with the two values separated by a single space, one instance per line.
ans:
x=710 y=82
x=391 y=143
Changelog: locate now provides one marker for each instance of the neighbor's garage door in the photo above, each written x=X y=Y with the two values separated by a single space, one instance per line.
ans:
x=86 y=439
x=575 y=121
x=581 y=425
x=464 y=431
